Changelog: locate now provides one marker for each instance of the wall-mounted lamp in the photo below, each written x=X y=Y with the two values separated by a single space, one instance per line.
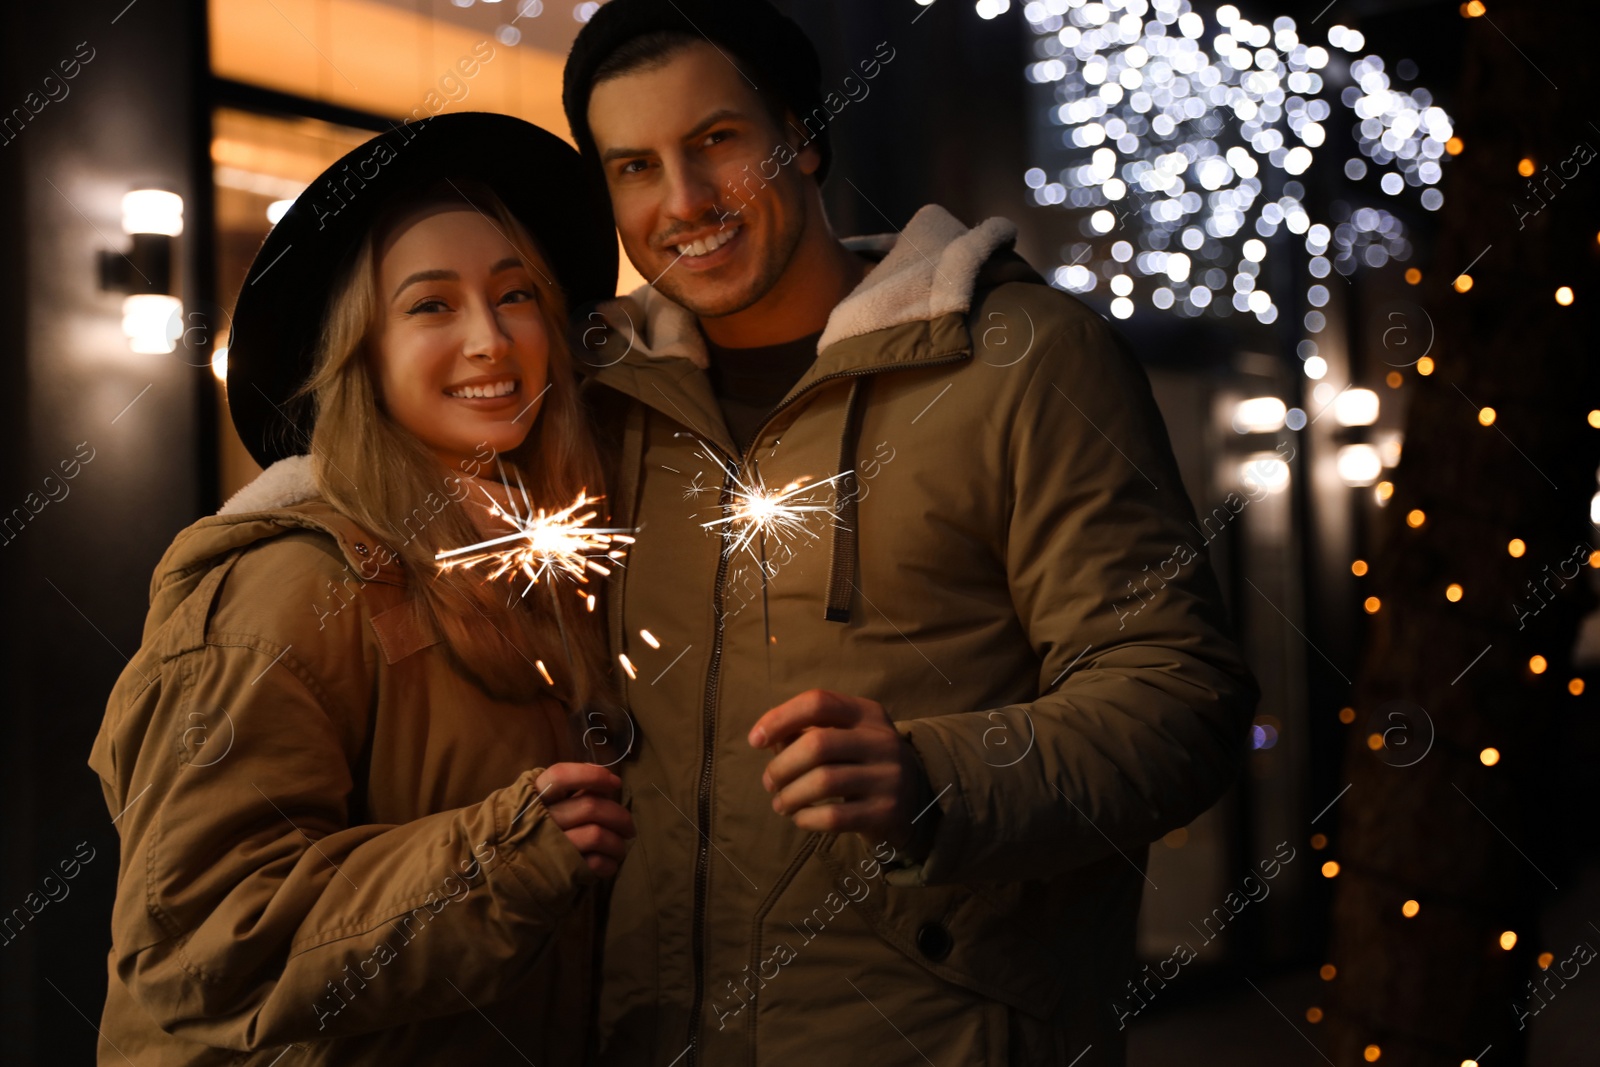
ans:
x=152 y=211
x=1359 y=465
x=1265 y=470
x=151 y=315
x=1260 y=414
x=1364 y=451
x=1356 y=407
x=1257 y=423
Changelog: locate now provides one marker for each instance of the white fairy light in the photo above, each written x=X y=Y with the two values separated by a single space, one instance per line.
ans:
x=1169 y=124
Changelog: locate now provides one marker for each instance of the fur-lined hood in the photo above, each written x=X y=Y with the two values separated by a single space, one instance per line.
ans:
x=287 y=482
x=280 y=500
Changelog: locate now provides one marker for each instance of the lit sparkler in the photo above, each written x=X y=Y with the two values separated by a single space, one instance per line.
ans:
x=755 y=512
x=544 y=544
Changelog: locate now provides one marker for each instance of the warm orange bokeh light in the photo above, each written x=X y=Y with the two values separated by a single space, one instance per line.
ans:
x=1463 y=282
x=1313 y=1015
x=1413 y=276
x=1525 y=167
x=1328 y=971
x=1575 y=687
x=1453 y=592
x=1372 y=604
x=1472 y=9
x=1538 y=664
x=1489 y=757
x=1347 y=715
x=1508 y=940
x=1564 y=296
x=1425 y=366
x=1486 y=416
x=1454 y=146
x=1416 y=517
x=1358 y=568
x=1319 y=841
x=1372 y=1052
x=1410 y=908
x=1517 y=547
x=1384 y=490
x=1330 y=869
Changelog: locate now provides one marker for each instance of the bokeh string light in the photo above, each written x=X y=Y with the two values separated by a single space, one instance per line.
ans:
x=1170 y=131
x=1180 y=140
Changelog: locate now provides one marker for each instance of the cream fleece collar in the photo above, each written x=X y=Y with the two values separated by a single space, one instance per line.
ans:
x=287 y=482
x=928 y=269
x=292 y=481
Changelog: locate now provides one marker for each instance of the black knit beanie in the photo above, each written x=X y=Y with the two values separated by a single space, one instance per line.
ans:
x=773 y=51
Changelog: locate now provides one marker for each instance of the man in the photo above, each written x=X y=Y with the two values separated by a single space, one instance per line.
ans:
x=895 y=763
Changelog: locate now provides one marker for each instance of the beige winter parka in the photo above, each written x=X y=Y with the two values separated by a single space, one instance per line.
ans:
x=1002 y=577
x=332 y=850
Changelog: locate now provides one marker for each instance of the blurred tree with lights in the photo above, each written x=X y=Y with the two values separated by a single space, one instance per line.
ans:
x=1446 y=861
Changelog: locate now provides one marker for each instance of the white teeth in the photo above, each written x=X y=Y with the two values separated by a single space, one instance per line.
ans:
x=708 y=244
x=469 y=392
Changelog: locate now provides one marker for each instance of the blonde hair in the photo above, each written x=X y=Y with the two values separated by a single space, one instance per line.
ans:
x=387 y=481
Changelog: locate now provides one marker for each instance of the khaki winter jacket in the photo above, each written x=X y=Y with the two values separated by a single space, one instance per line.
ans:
x=330 y=838
x=995 y=578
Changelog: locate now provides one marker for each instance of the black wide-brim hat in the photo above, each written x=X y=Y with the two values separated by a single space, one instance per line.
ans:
x=283 y=303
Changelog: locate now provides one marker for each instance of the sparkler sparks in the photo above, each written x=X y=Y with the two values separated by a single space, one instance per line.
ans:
x=544 y=544
x=695 y=487
x=755 y=512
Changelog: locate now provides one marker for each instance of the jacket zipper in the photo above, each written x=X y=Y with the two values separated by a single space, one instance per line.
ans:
x=708 y=712
x=708 y=732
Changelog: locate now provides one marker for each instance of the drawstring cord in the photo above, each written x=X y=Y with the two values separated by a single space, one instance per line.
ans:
x=846 y=539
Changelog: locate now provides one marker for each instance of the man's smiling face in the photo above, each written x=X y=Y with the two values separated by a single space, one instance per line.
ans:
x=690 y=150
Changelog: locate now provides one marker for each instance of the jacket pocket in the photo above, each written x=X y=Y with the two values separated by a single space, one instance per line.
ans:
x=982 y=938
x=825 y=985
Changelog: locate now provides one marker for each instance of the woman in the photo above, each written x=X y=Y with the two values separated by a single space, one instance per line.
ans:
x=356 y=824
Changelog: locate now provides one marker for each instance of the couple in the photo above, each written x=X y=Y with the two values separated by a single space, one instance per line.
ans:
x=892 y=807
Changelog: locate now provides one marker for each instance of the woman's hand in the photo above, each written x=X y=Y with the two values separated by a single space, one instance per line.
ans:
x=581 y=798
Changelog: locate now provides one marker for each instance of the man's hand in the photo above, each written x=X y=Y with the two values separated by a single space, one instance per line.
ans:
x=581 y=798
x=840 y=766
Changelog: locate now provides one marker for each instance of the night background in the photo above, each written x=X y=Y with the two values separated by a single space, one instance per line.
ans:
x=1372 y=343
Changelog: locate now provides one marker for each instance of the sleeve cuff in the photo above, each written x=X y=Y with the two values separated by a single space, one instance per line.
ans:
x=910 y=866
x=547 y=866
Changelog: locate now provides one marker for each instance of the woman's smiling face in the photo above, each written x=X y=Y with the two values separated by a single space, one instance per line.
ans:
x=461 y=352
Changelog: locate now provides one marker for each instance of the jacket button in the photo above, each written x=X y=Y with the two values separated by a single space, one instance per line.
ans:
x=934 y=941
x=361 y=549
